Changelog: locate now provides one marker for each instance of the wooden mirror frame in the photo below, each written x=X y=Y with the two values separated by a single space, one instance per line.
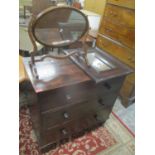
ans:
x=33 y=38
x=52 y=9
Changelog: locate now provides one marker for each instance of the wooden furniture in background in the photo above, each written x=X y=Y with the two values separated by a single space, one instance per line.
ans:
x=96 y=6
x=117 y=37
x=76 y=5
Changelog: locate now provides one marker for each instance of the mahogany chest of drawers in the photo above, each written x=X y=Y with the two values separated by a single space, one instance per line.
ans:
x=69 y=103
x=117 y=37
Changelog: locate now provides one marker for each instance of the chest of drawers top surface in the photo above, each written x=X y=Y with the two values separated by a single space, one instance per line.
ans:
x=55 y=74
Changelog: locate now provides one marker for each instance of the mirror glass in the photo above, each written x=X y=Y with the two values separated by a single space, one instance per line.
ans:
x=99 y=63
x=60 y=26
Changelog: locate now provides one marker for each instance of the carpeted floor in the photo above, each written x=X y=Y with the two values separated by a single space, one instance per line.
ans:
x=127 y=115
x=111 y=139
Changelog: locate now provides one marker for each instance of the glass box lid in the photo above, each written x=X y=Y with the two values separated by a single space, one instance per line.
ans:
x=101 y=66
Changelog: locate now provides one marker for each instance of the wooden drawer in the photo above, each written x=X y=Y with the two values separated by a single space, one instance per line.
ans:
x=61 y=133
x=74 y=128
x=124 y=3
x=76 y=94
x=66 y=131
x=52 y=119
x=120 y=16
x=122 y=53
x=122 y=34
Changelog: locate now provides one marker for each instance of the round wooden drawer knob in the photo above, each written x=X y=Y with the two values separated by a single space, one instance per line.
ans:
x=64 y=132
x=107 y=86
x=100 y=101
x=66 y=115
x=68 y=97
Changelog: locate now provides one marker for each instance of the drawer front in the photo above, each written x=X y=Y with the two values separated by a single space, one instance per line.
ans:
x=122 y=34
x=52 y=119
x=63 y=132
x=120 y=16
x=75 y=128
x=122 y=53
x=124 y=3
x=76 y=94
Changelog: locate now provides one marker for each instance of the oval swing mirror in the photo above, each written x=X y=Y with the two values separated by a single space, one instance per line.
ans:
x=59 y=27
x=56 y=28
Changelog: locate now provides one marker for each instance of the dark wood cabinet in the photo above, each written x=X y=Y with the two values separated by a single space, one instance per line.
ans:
x=69 y=102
